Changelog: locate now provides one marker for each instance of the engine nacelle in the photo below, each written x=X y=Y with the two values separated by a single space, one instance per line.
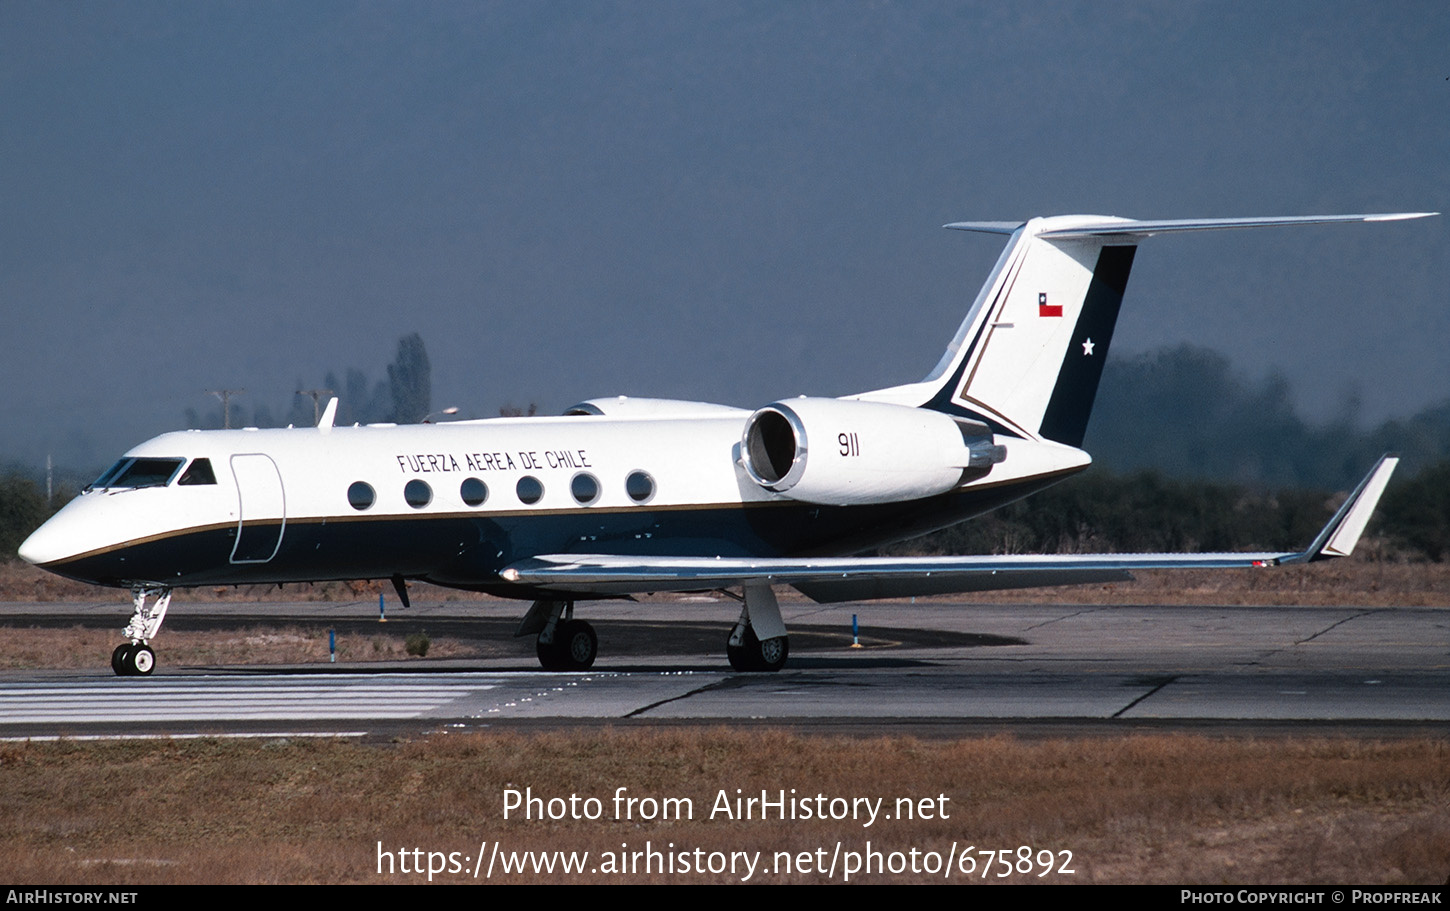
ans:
x=864 y=452
x=623 y=406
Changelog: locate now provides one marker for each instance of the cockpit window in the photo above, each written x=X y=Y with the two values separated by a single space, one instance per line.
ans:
x=104 y=480
x=129 y=473
x=199 y=472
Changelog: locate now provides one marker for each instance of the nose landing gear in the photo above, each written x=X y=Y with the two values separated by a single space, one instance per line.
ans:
x=136 y=658
x=132 y=659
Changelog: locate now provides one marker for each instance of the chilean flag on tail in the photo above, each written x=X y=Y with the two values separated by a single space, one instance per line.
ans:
x=1046 y=309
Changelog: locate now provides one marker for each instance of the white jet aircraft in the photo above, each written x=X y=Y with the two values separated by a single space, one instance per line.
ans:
x=626 y=495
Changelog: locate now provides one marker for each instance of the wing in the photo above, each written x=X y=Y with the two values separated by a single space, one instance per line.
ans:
x=830 y=579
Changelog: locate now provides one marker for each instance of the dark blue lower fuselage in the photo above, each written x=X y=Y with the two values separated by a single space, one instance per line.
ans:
x=469 y=550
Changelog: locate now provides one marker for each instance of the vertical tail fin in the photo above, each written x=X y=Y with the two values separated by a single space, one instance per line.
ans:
x=1027 y=359
x=1065 y=419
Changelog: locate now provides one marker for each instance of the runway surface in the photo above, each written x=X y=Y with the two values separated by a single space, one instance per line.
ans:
x=925 y=667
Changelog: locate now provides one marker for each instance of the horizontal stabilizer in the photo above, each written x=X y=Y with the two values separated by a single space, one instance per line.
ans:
x=1131 y=228
x=986 y=227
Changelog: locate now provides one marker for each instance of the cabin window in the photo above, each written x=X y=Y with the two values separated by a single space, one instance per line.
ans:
x=530 y=490
x=360 y=495
x=473 y=491
x=584 y=487
x=198 y=472
x=418 y=493
x=640 y=486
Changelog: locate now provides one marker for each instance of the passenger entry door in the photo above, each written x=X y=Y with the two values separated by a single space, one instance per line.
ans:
x=261 y=508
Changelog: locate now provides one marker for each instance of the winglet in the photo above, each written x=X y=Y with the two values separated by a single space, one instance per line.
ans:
x=1339 y=537
x=329 y=414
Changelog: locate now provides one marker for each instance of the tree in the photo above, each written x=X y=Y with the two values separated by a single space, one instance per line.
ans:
x=410 y=380
x=22 y=509
x=1417 y=512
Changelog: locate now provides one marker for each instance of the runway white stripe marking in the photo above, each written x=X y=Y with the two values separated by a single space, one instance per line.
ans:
x=236 y=699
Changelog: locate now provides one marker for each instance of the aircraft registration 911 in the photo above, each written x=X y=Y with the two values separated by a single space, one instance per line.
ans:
x=620 y=496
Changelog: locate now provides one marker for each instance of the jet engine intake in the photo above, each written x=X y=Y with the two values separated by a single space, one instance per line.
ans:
x=844 y=452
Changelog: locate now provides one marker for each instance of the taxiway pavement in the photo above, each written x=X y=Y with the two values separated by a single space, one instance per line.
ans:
x=927 y=666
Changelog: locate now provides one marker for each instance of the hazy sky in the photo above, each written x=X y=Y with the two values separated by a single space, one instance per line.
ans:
x=723 y=201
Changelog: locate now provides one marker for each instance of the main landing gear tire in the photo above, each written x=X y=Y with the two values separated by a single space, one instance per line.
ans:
x=133 y=660
x=574 y=647
x=754 y=655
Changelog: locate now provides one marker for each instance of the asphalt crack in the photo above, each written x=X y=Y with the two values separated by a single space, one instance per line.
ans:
x=1161 y=683
x=729 y=683
x=1091 y=610
x=1363 y=613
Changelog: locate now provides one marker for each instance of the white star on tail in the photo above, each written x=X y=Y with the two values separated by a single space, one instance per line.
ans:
x=1087 y=348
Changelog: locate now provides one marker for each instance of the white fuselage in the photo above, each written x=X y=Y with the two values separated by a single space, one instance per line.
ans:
x=455 y=502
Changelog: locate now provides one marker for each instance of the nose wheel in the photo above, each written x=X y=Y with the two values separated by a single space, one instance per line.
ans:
x=132 y=659
x=135 y=658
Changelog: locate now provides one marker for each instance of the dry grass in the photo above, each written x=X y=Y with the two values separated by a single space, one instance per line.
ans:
x=253 y=645
x=1175 y=809
x=20 y=582
x=1331 y=583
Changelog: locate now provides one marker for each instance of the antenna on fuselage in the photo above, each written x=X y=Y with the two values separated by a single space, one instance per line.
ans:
x=329 y=415
x=316 y=411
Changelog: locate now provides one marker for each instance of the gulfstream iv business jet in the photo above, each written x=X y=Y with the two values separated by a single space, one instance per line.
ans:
x=626 y=495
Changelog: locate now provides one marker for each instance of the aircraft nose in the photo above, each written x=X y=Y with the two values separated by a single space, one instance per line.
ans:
x=46 y=544
x=74 y=541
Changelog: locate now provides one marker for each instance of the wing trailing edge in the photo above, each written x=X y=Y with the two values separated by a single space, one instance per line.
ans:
x=831 y=579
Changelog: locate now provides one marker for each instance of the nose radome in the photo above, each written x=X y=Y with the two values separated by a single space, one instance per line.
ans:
x=67 y=537
x=40 y=547
x=58 y=538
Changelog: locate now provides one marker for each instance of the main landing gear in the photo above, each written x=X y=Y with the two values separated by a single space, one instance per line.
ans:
x=564 y=644
x=753 y=654
x=135 y=658
x=759 y=641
